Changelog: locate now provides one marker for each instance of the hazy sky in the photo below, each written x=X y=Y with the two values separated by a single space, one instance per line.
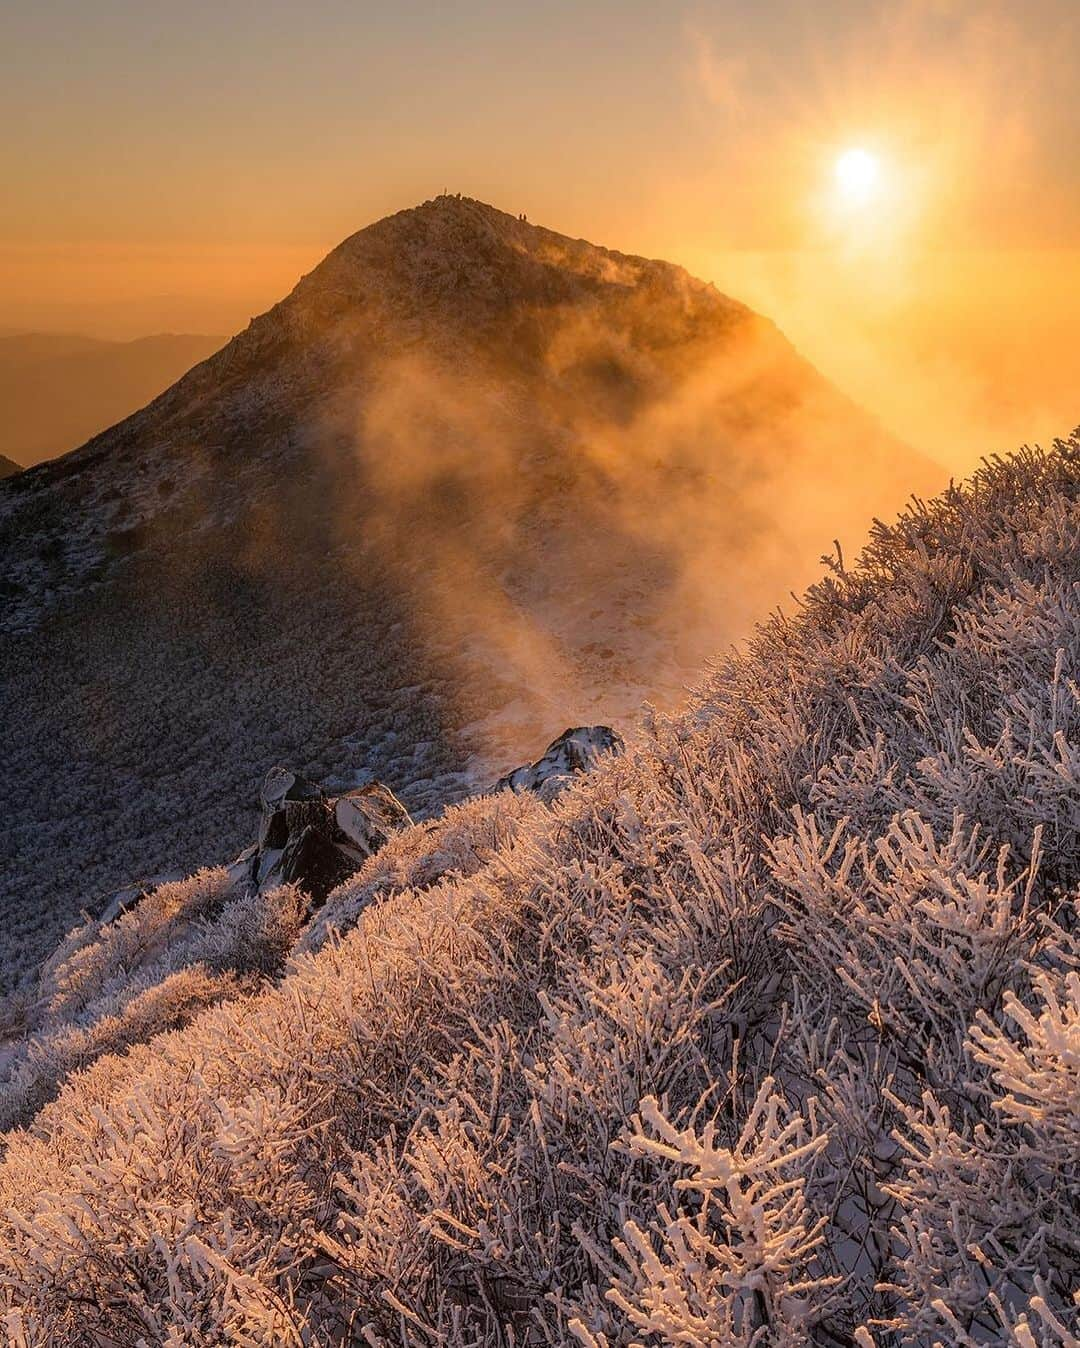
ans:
x=171 y=165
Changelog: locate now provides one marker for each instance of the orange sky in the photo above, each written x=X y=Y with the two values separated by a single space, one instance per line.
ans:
x=178 y=167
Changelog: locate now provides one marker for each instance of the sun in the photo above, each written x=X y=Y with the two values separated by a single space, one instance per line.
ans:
x=858 y=176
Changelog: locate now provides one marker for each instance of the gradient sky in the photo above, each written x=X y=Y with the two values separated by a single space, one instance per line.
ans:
x=180 y=165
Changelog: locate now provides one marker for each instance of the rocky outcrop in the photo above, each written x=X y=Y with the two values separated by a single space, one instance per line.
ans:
x=306 y=838
x=315 y=841
x=575 y=751
x=289 y=803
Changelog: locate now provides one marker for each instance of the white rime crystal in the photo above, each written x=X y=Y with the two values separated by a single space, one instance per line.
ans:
x=764 y=1034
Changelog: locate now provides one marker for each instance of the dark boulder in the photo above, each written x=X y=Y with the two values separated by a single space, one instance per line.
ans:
x=367 y=817
x=306 y=838
x=313 y=863
x=289 y=803
x=316 y=841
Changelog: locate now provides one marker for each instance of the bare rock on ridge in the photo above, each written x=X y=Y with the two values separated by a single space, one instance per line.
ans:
x=574 y=751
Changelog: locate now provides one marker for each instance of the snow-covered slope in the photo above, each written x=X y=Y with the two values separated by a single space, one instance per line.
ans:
x=766 y=1033
x=469 y=483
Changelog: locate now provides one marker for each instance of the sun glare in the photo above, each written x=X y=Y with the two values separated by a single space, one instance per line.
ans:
x=858 y=173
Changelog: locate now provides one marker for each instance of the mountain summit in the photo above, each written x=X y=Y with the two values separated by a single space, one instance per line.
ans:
x=470 y=482
x=457 y=269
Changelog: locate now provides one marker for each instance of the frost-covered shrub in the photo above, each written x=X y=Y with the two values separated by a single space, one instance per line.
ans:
x=988 y=1199
x=51 y=1055
x=913 y=934
x=1039 y=1078
x=726 y=1258
x=93 y=955
x=463 y=839
x=185 y=946
x=764 y=1034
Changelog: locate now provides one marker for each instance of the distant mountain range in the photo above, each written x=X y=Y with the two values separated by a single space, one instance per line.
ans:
x=471 y=482
x=57 y=391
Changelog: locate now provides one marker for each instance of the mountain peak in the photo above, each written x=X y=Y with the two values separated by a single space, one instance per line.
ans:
x=470 y=477
x=452 y=219
x=452 y=269
x=451 y=231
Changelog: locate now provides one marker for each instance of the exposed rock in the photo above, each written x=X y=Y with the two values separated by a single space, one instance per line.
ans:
x=280 y=785
x=575 y=751
x=368 y=816
x=264 y=864
x=315 y=841
x=306 y=838
x=289 y=802
x=313 y=863
x=240 y=870
x=124 y=900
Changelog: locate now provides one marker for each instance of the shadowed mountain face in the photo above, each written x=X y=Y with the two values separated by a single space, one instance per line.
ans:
x=56 y=391
x=469 y=483
x=8 y=466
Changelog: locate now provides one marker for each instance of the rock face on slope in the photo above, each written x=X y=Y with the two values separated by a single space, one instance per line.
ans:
x=469 y=471
x=573 y=752
x=315 y=841
x=306 y=838
x=8 y=467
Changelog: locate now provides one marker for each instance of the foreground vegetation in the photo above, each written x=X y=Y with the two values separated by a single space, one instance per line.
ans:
x=768 y=1033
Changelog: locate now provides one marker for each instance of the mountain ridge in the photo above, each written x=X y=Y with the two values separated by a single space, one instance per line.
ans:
x=331 y=287
x=468 y=483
